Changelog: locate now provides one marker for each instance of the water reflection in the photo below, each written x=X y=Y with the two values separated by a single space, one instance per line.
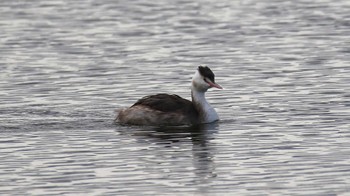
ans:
x=198 y=136
x=203 y=155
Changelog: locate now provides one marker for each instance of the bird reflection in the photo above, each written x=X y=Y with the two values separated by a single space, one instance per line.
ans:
x=199 y=136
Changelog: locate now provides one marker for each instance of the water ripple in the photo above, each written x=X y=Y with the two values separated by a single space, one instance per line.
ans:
x=66 y=66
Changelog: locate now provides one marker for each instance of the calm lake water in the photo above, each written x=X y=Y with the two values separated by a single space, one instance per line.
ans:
x=66 y=66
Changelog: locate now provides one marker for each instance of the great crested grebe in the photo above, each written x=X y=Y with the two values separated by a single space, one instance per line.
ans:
x=165 y=109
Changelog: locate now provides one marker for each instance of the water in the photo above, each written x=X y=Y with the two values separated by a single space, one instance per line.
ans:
x=66 y=66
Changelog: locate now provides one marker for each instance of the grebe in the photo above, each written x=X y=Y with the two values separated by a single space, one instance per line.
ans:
x=165 y=109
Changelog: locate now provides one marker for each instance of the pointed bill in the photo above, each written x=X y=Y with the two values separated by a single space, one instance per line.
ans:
x=212 y=84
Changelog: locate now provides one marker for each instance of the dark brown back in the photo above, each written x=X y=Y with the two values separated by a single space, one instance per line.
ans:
x=170 y=103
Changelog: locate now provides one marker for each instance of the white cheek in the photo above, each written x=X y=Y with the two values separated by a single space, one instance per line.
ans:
x=203 y=83
x=206 y=85
x=199 y=83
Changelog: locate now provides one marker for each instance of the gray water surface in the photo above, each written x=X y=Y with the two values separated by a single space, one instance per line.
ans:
x=66 y=66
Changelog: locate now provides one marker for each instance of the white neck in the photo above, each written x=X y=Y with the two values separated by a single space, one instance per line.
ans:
x=207 y=113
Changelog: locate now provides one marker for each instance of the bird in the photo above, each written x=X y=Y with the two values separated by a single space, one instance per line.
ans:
x=170 y=109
